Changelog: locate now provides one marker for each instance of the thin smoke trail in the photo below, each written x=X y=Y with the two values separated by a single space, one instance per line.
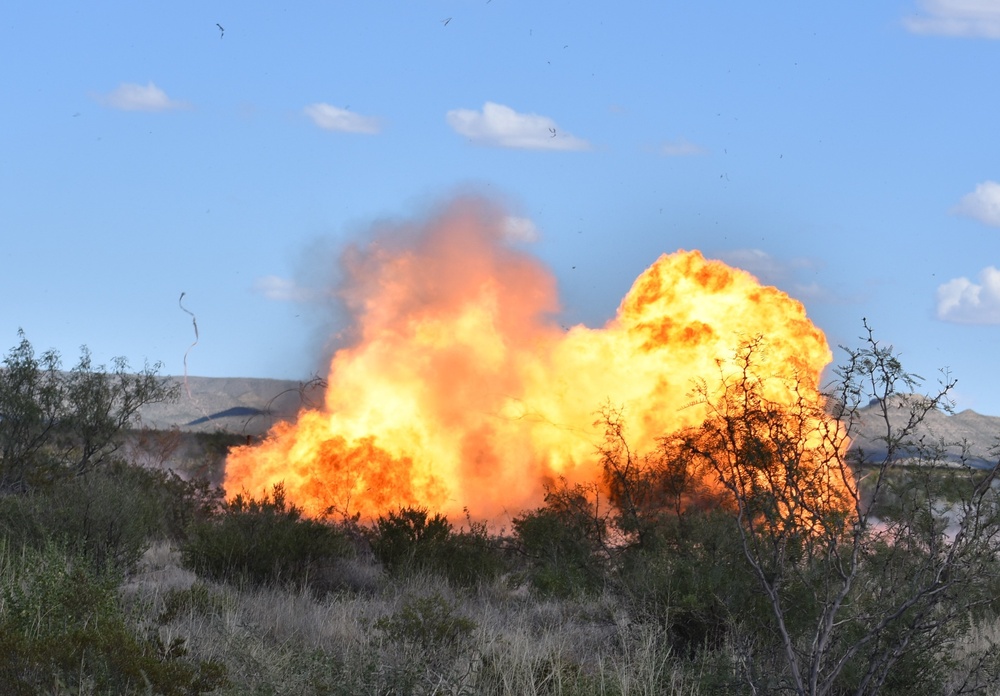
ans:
x=187 y=387
x=194 y=322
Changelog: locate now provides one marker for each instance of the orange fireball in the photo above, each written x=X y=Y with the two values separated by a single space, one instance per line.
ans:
x=460 y=391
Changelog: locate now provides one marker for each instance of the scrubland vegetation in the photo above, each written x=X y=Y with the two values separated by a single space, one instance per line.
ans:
x=751 y=555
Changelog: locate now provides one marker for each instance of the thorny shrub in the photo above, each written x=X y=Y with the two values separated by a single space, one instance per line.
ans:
x=262 y=541
x=409 y=539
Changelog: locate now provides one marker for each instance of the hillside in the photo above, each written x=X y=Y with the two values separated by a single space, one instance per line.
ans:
x=979 y=433
x=240 y=405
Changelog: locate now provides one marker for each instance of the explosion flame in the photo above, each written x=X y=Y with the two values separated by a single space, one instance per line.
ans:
x=460 y=390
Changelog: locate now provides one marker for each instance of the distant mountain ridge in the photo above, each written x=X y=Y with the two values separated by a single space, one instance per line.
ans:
x=244 y=405
x=979 y=433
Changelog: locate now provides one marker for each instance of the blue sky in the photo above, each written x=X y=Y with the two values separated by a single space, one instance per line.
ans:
x=848 y=153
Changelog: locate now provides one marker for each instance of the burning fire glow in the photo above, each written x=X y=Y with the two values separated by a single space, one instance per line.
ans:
x=460 y=390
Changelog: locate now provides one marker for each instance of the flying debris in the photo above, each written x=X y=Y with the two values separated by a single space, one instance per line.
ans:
x=187 y=387
x=222 y=32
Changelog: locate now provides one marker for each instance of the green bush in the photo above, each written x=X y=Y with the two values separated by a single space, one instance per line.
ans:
x=429 y=622
x=409 y=539
x=264 y=541
x=698 y=590
x=471 y=556
x=429 y=643
x=198 y=599
x=178 y=503
x=110 y=515
x=563 y=543
x=60 y=623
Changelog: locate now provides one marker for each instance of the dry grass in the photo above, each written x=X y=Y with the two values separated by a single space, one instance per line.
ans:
x=496 y=640
x=418 y=635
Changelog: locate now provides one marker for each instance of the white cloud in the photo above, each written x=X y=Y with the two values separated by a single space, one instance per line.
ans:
x=501 y=126
x=680 y=148
x=979 y=18
x=964 y=302
x=282 y=289
x=132 y=97
x=983 y=204
x=333 y=118
x=519 y=229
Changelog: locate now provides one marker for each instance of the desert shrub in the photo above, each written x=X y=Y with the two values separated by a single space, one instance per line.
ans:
x=698 y=589
x=406 y=538
x=178 y=503
x=207 y=454
x=409 y=539
x=563 y=543
x=429 y=645
x=60 y=623
x=428 y=622
x=656 y=498
x=110 y=516
x=678 y=558
x=262 y=541
x=471 y=556
x=198 y=599
x=819 y=593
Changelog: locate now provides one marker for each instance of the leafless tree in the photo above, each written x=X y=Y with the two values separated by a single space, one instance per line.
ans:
x=872 y=563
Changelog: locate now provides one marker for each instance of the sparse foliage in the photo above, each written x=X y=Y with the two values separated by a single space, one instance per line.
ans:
x=54 y=423
x=856 y=589
x=656 y=496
